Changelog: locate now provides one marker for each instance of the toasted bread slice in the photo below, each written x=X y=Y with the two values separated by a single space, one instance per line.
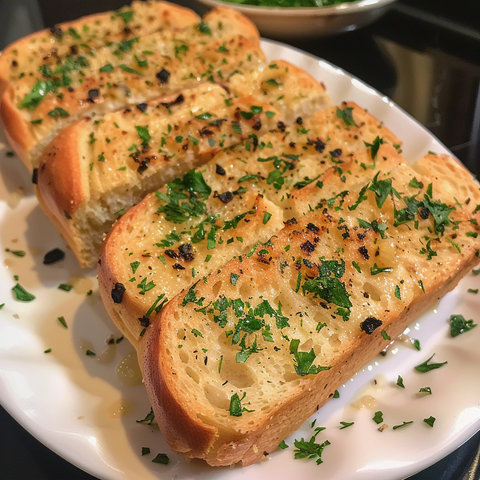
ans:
x=158 y=244
x=237 y=362
x=34 y=109
x=92 y=172
x=49 y=47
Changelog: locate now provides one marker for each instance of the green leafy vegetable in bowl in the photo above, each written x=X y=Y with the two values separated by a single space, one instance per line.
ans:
x=290 y=3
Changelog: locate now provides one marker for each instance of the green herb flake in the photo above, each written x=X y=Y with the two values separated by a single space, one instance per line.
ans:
x=127 y=18
x=400 y=382
x=346 y=116
x=459 y=325
x=375 y=270
x=149 y=418
x=134 y=266
x=266 y=217
x=18 y=253
x=429 y=421
x=108 y=68
x=89 y=353
x=65 y=287
x=62 y=321
x=346 y=424
x=402 y=425
x=310 y=449
x=234 y=278
x=473 y=290
x=336 y=394
x=425 y=390
x=378 y=417
x=283 y=445
x=21 y=294
x=48 y=350
x=197 y=333
x=416 y=344
x=426 y=367
x=235 y=406
x=385 y=335
x=303 y=361
x=145 y=451
x=397 y=292
x=161 y=458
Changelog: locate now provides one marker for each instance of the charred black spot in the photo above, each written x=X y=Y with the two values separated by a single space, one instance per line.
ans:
x=257 y=125
x=205 y=132
x=142 y=107
x=117 y=293
x=74 y=49
x=53 y=256
x=292 y=144
x=143 y=165
x=318 y=145
x=177 y=101
x=361 y=236
x=186 y=252
x=14 y=63
x=313 y=228
x=225 y=197
x=171 y=253
x=219 y=170
x=35 y=176
x=364 y=252
x=177 y=266
x=163 y=75
x=56 y=30
x=370 y=324
x=308 y=247
x=281 y=126
x=336 y=153
x=307 y=263
x=144 y=321
x=423 y=212
x=299 y=121
x=291 y=221
x=93 y=93
x=218 y=122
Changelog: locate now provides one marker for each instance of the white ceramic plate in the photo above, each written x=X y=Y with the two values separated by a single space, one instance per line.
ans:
x=285 y=23
x=67 y=399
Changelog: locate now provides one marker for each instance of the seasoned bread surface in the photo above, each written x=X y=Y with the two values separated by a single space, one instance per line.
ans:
x=35 y=108
x=277 y=166
x=238 y=361
x=48 y=48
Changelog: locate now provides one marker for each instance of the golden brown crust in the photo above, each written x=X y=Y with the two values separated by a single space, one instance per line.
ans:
x=16 y=129
x=60 y=175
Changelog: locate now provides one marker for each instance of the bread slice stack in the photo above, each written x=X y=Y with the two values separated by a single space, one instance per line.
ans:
x=267 y=322
x=91 y=80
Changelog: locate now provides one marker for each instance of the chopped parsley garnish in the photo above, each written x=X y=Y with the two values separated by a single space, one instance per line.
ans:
x=125 y=16
x=378 y=417
x=63 y=321
x=236 y=405
x=150 y=417
x=459 y=325
x=425 y=390
x=400 y=382
x=329 y=288
x=89 y=353
x=429 y=421
x=283 y=445
x=416 y=344
x=234 y=278
x=38 y=93
x=402 y=425
x=204 y=28
x=134 y=266
x=108 y=68
x=426 y=367
x=310 y=449
x=65 y=286
x=21 y=294
x=144 y=286
x=183 y=198
x=374 y=147
x=375 y=270
x=143 y=134
x=346 y=116
x=385 y=335
x=145 y=451
x=266 y=217
x=161 y=458
x=346 y=424
x=303 y=361
x=17 y=253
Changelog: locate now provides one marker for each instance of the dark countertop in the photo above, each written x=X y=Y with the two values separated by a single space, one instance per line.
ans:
x=422 y=54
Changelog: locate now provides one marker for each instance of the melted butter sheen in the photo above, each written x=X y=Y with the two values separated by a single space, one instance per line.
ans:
x=120 y=408
x=129 y=372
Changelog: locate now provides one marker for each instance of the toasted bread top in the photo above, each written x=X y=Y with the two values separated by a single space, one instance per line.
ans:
x=236 y=362
x=83 y=36
x=128 y=72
